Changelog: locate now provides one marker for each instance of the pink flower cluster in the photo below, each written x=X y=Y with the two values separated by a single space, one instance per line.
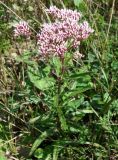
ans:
x=64 y=33
x=22 y=29
x=63 y=14
x=58 y=37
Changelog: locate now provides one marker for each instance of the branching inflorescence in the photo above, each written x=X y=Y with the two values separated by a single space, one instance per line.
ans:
x=57 y=37
x=22 y=29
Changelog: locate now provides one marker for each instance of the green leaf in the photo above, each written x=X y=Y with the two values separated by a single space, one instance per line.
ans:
x=24 y=57
x=48 y=157
x=77 y=2
x=86 y=111
x=39 y=153
x=74 y=130
x=114 y=65
x=60 y=113
x=33 y=120
x=81 y=5
x=57 y=65
x=78 y=91
x=39 y=140
x=56 y=152
x=80 y=75
x=62 y=119
x=41 y=84
x=37 y=80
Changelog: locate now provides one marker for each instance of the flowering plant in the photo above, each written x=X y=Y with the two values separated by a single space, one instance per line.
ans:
x=55 y=104
x=56 y=40
x=22 y=29
x=57 y=37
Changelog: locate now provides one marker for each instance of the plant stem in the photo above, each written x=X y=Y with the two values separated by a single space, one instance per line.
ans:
x=63 y=124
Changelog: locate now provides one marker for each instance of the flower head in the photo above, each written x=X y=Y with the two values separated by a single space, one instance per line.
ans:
x=85 y=30
x=56 y=38
x=22 y=29
x=63 y=14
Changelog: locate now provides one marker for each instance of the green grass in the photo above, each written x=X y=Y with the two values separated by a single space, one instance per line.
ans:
x=49 y=116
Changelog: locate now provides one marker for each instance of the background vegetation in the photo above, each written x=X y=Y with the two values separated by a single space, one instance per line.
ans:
x=43 y=117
